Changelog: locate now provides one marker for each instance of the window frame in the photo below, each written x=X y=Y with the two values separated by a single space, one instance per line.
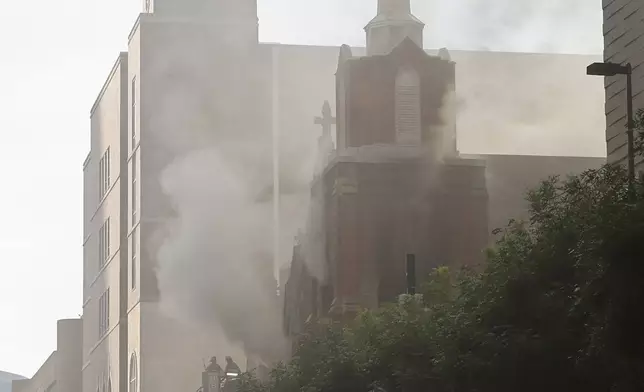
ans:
x=133 y=117
x=134 y=192
x=408 y=107
x=133 y=374
x=104 y=246
x=104 y=314
x=133 y=259
x=104 y=175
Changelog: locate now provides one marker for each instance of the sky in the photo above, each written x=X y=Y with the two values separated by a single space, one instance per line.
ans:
x=56 y=56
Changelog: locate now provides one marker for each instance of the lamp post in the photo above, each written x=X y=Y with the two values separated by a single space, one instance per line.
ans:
x=411 y=274
x=612 y=69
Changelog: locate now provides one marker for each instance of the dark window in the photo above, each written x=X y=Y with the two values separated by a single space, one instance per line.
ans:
x=104 y=175
x=133 y=112
x=104 y=313
x=134 y=368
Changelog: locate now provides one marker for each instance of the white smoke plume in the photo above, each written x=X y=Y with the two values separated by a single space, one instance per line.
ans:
x=215 y=264
x=551 y=26
x=215 y=267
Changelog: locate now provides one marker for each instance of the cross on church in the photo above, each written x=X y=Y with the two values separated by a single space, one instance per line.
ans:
x=327 y=120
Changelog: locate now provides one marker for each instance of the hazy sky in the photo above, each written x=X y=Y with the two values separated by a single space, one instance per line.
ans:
x=56 y=55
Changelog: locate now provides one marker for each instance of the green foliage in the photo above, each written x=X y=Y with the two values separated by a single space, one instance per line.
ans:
x=556 y=308
x=639 y=129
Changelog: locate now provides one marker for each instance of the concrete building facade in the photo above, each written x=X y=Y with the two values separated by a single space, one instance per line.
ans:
x=105 y=252
x=61 y=372
x=160 y=88
x=623 y=43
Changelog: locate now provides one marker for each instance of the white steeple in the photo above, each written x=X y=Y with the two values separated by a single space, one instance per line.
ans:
x=391 y=26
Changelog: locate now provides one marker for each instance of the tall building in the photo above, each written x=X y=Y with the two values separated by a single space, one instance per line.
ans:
x=155 y=94
x=195 y=75
x=623 y=43
x=61 y=372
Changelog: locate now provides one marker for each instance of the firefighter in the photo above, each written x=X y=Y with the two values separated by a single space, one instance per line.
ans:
x=214 y=366
x=231 y=380
x=232 y=367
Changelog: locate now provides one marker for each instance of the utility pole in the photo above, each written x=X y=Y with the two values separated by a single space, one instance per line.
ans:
x=613 y=69
x=631 y=123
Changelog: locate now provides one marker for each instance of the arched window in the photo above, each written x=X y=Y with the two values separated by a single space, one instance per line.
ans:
x=134 y=369
x=408 y=109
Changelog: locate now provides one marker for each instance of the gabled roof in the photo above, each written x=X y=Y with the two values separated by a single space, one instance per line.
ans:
x=408 y=45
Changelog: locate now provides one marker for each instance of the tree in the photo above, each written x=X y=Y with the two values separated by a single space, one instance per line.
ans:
x=556 y=308
x=639 y=128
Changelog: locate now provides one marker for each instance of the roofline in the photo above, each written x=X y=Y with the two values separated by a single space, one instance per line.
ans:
x=137 y=23
x=523 y=156
x=120 y=59
x=18 y=377
x=151 y=17
x=383 y=20
x=49 y=359
x=436 y=49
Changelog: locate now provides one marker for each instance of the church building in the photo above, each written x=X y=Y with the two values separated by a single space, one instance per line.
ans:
x=396 y=184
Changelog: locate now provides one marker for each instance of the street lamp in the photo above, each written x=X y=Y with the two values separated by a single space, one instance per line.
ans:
x=612 y=69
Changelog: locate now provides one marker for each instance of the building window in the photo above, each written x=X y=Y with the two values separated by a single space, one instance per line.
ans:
x=134 y=266
x=104 y=181
x=133 y=112
x=85 y=268
x=104 y=313
x=104 y=244
x=135 y=190
x=408 y=108
x=134 y=368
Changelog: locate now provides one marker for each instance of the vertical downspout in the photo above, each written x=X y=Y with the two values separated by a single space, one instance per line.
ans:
x=276 y=158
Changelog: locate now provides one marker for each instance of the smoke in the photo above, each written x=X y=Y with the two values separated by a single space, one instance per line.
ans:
x=313 y=237
x=215 y=266
x=212 y=154
x=571 y=26
x=550 y=26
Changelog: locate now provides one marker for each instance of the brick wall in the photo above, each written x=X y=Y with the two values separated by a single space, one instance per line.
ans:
x=623 y=43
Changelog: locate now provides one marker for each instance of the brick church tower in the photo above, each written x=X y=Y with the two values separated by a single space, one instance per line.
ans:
x=395 y=184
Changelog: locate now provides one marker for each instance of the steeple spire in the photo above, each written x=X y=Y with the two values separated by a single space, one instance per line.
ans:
x=391 y=26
